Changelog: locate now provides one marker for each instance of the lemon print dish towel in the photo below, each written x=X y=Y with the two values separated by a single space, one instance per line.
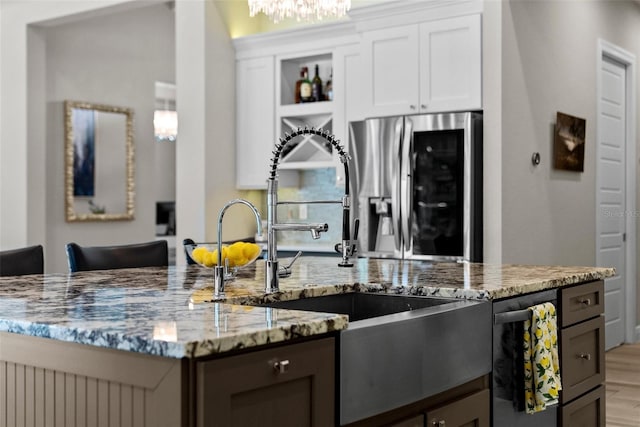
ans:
x=541 y=363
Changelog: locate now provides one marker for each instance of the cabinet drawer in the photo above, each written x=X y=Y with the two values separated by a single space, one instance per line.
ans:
x=470 y=410
x=582 y=302
x=586 y=411
x=417 y=421
x=582 y=350
x=291 y=385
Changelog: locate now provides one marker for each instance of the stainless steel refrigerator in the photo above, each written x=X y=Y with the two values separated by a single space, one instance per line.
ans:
x=416 y=183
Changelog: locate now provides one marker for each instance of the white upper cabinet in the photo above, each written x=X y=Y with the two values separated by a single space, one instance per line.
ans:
x=396 y=58
x=432 y=66
x=255 y=119
x=451 y=64
x=390 y=74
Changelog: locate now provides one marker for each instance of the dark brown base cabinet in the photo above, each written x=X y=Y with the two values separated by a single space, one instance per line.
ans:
x=465 y=406
x=582 y=399
x=61 y=384
x=290 y=385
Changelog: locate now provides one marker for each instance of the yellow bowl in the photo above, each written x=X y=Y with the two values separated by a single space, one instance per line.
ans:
x=236 y=255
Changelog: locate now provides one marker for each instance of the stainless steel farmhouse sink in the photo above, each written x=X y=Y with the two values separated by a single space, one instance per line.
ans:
x=399 y=349
x=360 y=306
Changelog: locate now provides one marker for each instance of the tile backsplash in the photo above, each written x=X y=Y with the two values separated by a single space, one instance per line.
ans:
x=315 y=184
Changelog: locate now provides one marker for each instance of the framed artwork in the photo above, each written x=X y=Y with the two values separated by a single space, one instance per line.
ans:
x=99 y=162
x=84 y=146
x=568 y=146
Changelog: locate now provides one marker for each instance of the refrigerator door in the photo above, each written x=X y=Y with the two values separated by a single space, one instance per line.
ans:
x=374 y=146
x=435 y=209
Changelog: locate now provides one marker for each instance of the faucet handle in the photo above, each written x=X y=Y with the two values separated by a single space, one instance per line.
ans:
x=351 y=250
x=286 y=271
x=356 y=227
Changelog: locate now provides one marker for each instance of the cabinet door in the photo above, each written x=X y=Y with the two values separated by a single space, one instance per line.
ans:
x=255 y=121
x=586 y=411
x=390 y=79
x=451 y=64
x=347 y=85
x=470 y=411
x=292 y=385
x=582 y=358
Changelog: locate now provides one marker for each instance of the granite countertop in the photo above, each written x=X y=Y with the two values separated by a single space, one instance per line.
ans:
x=168 y=311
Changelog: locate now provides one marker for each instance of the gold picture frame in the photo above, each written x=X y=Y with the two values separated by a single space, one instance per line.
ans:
x=99 y=162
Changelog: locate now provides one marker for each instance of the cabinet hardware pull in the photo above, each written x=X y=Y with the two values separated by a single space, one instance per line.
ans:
x=585 y=301
x=439 y=423
x=281 y=367
x=413 y=107
x=423 y=106
x=586 y=356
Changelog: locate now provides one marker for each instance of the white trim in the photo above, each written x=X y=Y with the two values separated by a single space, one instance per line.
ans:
x=632 y=329
x=404 y=12
x=317 y=36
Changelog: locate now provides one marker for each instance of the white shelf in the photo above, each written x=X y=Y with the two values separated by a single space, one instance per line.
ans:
x=307 y=165
x=308 y=150
x=306 y=108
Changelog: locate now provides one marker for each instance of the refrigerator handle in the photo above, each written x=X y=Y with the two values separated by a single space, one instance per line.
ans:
x=395 y=164
x=406 y=166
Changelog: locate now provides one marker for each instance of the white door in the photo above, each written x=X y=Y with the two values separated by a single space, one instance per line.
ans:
x=611 y=239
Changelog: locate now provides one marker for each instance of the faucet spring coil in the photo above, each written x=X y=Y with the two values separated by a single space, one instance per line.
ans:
x=279 y=146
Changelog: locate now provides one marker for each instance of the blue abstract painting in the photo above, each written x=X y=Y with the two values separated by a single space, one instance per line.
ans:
x=83 y=152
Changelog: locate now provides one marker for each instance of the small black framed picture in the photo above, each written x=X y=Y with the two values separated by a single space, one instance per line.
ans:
x=569 y=141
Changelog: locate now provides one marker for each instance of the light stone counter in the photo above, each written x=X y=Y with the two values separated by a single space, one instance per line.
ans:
x=161 y=311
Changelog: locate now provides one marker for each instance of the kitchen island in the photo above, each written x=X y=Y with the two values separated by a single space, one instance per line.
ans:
x=127 y=345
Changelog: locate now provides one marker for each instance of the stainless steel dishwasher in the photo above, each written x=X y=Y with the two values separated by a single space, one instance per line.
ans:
x=508 y=363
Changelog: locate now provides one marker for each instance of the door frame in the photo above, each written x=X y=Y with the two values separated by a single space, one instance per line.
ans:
x=607 y=49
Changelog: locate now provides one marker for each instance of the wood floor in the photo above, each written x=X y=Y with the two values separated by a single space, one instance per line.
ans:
x=623 y=386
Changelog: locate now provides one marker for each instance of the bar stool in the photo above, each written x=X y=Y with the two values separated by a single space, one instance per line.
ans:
x=21 y=261
x=86 y=258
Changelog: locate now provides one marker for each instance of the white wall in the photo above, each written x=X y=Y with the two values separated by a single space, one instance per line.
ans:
x=31 y=211
x=23 y=113
x=205 y=78
x=548 y=65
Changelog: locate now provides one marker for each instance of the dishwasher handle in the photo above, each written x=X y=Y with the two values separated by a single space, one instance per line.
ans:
x=512 y=316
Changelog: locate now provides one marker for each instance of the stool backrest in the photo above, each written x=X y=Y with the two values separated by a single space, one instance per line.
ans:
x=86 y=258
x=21 y=261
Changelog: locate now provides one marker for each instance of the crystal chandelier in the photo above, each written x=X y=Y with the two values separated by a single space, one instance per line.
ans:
x=302 y=10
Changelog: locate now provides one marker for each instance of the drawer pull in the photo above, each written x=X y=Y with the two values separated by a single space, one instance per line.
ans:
x=585 y=356
x=281 y=366
x=585 y=302
x=439 y=423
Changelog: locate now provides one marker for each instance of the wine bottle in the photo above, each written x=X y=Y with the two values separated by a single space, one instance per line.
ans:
x=305 y=86
x=298 y=83
x=316 y=87
x=328 y=89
